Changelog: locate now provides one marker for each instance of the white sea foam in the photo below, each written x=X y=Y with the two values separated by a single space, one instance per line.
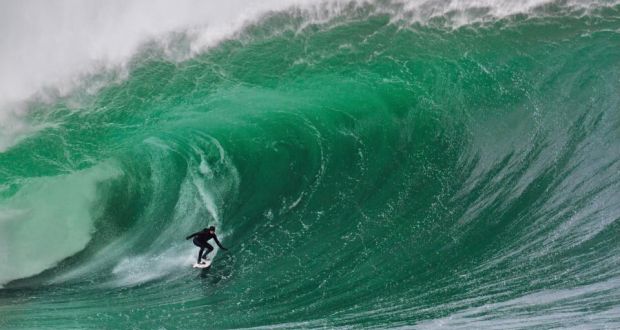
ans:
x=46 y=42
x=143 y=268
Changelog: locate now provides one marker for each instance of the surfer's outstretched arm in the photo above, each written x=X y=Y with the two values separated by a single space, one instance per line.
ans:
x=218 y=243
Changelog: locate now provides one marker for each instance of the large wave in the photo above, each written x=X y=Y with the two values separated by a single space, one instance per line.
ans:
x=369 y=164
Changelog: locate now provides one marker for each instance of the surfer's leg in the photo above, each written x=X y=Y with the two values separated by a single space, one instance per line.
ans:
x=200 y=255
x=199 y=243
x=209 y=248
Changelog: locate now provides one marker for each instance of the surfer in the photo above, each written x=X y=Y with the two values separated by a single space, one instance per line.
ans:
x=200 y=240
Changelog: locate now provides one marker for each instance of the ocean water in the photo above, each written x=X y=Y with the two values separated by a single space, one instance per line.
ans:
x=370 y=164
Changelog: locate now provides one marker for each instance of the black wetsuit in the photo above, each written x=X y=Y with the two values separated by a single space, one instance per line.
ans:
x=200 y=240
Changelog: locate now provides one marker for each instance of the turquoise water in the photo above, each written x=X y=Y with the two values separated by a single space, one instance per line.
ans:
x=366 y=171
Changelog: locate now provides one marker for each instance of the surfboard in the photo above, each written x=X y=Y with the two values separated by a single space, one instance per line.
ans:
x=204 y=264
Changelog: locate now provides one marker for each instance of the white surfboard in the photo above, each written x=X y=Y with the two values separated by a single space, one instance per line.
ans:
x=204 y=264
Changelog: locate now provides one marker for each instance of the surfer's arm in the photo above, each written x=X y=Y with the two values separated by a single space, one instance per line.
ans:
x=218 y=243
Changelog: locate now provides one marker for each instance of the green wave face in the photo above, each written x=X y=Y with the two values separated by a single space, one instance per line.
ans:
x=364 y=172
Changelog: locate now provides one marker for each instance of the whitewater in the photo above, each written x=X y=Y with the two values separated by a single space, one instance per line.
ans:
x=369 y=164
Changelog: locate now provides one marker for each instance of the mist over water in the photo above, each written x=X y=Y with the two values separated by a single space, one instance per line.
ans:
x=370 y=164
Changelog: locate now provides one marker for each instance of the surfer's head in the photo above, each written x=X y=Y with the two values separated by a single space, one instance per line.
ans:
x=212 y=229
